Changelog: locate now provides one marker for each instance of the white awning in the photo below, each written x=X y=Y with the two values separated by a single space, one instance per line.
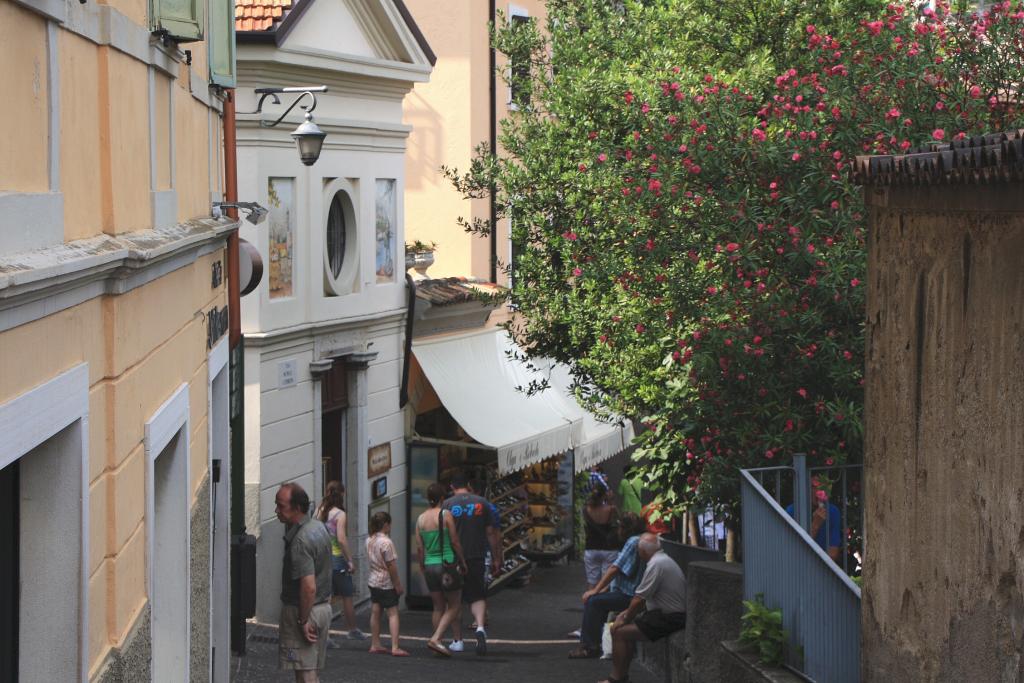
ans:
x=601 y=440
x=479 y=384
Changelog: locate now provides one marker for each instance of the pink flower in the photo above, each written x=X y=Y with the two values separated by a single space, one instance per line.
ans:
x=602 y=157
x=854 y=282
x=938 y=134
x=821 y=495
x=654 y=185
x=893 y=113
x=757 y=339
x=640 y=328
x=758 y=134
x=769 y=454
x=802 y=392
x=628 y=97
x=582 y=167
x=975 y=91
x=732 y=246
x=711 y=290
x=796 y=156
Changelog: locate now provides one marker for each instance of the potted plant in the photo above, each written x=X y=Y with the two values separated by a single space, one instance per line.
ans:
x=419 y=256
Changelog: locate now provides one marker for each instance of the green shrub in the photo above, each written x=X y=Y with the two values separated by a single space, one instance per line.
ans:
x=762 y=628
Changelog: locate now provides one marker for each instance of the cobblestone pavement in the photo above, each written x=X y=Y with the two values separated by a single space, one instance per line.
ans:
x=527 y=633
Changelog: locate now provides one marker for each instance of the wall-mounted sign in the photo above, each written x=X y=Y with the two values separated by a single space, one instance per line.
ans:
x=286 y=373
x=380 y=488
x=379 y=460
x=216 y=325
x=216 y=274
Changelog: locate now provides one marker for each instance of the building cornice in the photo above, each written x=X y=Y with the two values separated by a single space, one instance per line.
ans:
x=311 y=330
x=386 y=75
x=36 y=284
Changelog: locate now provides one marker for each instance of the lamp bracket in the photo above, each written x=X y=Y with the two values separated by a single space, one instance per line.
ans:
x=273 y=93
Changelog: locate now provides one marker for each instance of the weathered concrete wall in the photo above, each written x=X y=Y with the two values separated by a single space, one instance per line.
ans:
x=199 y=647
x=944 y=567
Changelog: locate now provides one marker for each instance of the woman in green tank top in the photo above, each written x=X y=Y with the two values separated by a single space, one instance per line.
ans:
x=434 y=548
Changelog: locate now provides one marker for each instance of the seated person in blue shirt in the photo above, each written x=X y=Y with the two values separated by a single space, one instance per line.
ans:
x=622 y=576
x=826 y=525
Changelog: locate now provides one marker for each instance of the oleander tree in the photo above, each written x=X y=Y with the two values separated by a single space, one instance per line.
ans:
x=688 y=237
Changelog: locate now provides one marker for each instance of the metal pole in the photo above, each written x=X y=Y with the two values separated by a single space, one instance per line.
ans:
x=801 y=492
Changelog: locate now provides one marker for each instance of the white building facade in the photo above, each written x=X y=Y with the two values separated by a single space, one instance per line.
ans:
x=324 y=331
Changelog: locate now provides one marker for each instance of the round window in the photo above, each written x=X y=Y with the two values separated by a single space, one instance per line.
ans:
x=336 y=235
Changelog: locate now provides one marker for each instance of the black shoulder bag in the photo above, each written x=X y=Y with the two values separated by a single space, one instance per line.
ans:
x=451 y=577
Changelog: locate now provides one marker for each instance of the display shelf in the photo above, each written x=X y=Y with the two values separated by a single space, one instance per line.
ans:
x=548 y=555
x=508 y=575
x=522 y=522
x=506 y=494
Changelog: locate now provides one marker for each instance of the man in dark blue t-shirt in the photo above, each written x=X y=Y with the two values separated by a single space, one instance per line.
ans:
x=477 y=522
x=826 y=527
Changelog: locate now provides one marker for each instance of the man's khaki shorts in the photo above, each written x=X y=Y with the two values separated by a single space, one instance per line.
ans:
x=296 y=653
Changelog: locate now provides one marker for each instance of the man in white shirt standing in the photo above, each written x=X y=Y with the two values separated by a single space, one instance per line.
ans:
x=662 y=591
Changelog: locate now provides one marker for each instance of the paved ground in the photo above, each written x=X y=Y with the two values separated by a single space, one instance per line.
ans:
x=527 y=643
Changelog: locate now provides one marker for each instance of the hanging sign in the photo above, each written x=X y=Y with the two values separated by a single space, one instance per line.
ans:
x=379 y=460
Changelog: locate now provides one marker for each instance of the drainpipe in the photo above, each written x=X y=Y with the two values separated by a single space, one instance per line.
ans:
x=494 y=149
x=236 y=410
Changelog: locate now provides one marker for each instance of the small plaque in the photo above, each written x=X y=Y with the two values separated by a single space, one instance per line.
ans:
x=287 y=371
x=379 y=460
x=380 y=488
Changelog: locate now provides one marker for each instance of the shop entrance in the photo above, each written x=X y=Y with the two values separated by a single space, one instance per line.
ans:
x=333 y=410
x=9 y=572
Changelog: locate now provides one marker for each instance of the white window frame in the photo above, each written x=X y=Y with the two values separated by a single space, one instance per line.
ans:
x=169 y=421
x=219 y=389
x=27 y=422
x=513 y=11
x=345 y=282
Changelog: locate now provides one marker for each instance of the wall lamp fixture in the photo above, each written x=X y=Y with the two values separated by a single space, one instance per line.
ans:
x=254 y=213
x=308 y=136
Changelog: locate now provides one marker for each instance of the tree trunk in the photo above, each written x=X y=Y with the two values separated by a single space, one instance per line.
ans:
x=730 y=545
x=692 y=529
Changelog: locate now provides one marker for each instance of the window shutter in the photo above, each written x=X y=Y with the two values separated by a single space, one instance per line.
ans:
x=222 y=43
x=182 y=20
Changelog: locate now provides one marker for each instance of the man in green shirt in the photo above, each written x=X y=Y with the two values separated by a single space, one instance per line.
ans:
x=305 y=586
x=629 y=493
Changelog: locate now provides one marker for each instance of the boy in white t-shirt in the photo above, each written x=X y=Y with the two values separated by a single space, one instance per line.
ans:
x=385 y=584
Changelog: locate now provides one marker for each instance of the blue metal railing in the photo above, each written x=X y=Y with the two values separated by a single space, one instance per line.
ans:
x=820 y=604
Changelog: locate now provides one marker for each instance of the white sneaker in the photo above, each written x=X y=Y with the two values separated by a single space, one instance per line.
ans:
x=575 y=634
x=456 y=646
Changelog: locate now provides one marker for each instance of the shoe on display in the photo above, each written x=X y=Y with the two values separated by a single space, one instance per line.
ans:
x=481 y=642
x=456 y=646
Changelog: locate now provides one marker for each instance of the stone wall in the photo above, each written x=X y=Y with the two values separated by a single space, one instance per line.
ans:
x=944 y=567
x=199 y=647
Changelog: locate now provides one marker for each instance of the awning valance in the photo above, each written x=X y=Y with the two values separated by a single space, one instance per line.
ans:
x=479 y=383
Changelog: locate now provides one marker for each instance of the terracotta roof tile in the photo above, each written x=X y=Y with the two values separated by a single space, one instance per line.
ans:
x=455 y=290
x=980 y=160
x=260 y=15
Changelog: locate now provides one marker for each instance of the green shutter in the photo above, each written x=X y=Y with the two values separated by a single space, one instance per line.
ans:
x=181 y=19
x=221 y=43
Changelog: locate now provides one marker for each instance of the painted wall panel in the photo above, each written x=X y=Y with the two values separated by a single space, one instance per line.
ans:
x=285 y=434
x=99 y=584
x=127 y=589
x=382 y=376
x=284 y=403
x=129 y=141
x=80 y=180
x=127 y=500
x=24 y=163
x=285 y=466
x=191 y=154
x=162 y=130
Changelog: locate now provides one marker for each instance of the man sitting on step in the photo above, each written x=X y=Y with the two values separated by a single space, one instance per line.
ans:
x=662 y=594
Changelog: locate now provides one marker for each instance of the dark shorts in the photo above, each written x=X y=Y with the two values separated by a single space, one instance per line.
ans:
x=474 y=587
x=433 y=574
x=341 y=584
x=385 y=597
x=655 y=624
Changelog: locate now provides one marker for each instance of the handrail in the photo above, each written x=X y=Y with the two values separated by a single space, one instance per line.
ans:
x=820 y=604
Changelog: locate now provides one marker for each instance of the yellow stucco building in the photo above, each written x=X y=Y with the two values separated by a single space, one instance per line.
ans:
x=113 y=381
x=456 y=111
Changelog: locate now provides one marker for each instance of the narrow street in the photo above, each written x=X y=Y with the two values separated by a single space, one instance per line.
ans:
x=527 y=643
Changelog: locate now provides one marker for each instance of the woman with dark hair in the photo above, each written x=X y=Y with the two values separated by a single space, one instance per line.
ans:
x=437 y=544
x=600 y=520
x=332 y=513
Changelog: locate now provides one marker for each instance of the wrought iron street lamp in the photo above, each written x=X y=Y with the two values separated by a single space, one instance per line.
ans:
x=309 y=139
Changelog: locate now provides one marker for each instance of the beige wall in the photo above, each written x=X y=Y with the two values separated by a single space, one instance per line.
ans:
x=450 y=115
x=146 y=343
x=944 y=572
x=140 y=346
x=23 y=154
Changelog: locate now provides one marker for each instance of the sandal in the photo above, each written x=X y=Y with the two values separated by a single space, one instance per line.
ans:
x=379 y=651
x=584 y=652
x=439 y=648
x=400 y=653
